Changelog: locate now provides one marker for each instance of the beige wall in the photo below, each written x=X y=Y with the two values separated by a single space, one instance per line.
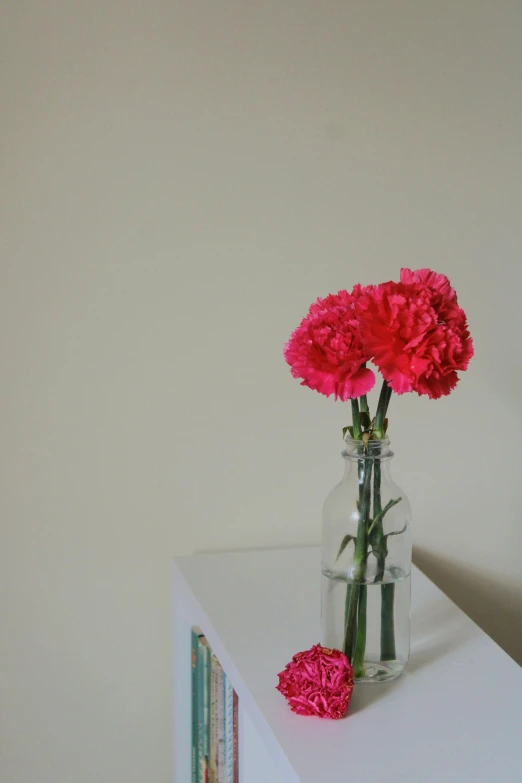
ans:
x=179 y=180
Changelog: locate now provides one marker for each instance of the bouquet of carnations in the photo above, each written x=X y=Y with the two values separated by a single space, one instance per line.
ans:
x=416 y=335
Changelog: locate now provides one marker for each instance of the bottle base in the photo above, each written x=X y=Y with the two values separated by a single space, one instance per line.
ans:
x=381 y=671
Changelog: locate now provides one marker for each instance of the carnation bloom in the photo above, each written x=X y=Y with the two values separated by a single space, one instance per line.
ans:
x=326 y=350
x=416 y=333
x=318 y=682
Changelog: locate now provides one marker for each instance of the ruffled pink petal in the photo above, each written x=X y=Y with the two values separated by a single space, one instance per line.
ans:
x=416 y=333
x=326 y=350
x=358 y=384
x=318 y=682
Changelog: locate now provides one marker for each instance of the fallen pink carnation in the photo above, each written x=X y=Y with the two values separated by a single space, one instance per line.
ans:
x=318 y=682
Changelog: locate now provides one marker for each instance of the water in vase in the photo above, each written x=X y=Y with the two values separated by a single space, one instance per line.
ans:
x=382 y=660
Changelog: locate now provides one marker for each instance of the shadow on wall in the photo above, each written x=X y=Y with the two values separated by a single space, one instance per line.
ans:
x=493 y=606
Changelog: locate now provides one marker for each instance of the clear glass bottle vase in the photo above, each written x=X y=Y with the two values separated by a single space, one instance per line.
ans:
x=366 y=564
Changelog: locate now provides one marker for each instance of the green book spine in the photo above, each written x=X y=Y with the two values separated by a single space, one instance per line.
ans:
x=206 y=744
x=214 y=733
x=236 y=738
x=221 y=726
x=203 y=709
x=195 y=738
x=228 y=776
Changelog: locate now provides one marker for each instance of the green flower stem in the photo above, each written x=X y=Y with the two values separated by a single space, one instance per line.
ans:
x=379 y=516
x=357 y=431
x=382 y=407
x=377 y=502
x=352 y=598
x=347 y=604
x=357 y=435
x=379 y=544
x=387 y=622
x=364 y=404
x=360 y=645
x=357 y=603
x=376 y=532
x=350 y=626
x=380 y=547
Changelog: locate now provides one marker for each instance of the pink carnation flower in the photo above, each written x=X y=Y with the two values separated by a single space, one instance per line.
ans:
x=318 y=682
x=326 y=350
x=416 y=333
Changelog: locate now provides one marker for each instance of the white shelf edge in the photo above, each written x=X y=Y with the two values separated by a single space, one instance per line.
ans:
x=245 y=697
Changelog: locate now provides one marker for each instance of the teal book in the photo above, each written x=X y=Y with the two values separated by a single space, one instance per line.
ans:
x=220 y=765
x=214 y=719
x=196 y=633
x=236 y=738
x=203 y=709
x=208 y=691
x=228 y=776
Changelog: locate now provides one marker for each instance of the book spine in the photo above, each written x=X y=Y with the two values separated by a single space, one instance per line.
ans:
x=201 y=708
x=229 y=730
x=236 y=738
x=209 y=686
x=221 y=726
x=206 y=710
x=194 y=669
x=213 y=750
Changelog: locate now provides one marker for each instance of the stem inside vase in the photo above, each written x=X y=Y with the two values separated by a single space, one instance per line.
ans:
x=370 y=536
x=355 y=629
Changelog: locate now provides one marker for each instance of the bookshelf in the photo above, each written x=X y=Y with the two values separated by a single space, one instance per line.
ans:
x=454 y=716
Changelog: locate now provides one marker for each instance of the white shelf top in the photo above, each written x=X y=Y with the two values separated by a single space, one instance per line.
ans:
x=454 y=716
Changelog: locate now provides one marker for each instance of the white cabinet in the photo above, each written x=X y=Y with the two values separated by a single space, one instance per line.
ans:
x=455 y=716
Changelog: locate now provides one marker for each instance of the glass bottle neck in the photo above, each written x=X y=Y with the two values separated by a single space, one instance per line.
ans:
x=375 y=455
x=355 y=450
x=358 y=463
